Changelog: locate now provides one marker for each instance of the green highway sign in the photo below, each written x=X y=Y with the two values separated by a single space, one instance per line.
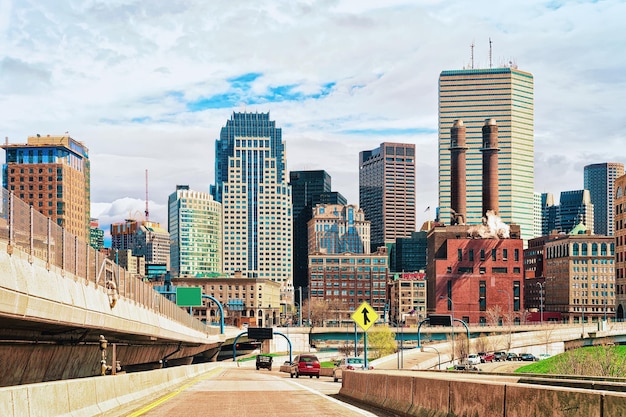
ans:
x=189 y=296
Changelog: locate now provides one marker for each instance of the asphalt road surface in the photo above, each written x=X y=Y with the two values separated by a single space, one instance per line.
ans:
x=246 y=392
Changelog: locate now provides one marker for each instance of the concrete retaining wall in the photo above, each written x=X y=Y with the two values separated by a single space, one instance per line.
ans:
x=94 y=396
x=451 y=395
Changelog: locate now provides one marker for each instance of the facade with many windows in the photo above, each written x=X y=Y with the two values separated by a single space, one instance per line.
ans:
x=195 y=228
x=620 y=247
x=52 y=174
x=407 y=298
x=350 y=279
x=580 y=276
x=337 y=229
x=477 y=280
x=387 y=191
x=251 y=184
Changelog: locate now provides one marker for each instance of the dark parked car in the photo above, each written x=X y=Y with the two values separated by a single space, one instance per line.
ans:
x=512 y=356
x=529 y=357
x=499 y=356
x=264 y=361
x=305 y=364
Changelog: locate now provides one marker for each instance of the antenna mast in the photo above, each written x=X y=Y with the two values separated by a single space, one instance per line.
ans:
x=472 y=55
x=147 y=212
x=489 y=52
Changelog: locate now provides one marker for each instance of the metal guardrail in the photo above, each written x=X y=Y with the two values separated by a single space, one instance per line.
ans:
x=26 y=229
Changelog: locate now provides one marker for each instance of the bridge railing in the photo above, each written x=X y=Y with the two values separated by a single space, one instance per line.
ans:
x=25 y=229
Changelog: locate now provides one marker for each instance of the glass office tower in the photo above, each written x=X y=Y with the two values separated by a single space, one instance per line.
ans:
x=506 y=95
x=251 y=183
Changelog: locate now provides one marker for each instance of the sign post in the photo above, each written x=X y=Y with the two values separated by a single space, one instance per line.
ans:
x=365 y=316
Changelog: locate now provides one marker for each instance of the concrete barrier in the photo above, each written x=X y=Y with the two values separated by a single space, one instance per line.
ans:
x=431 y=397
x=399 y=397
x=88 y=397
x=449 y=394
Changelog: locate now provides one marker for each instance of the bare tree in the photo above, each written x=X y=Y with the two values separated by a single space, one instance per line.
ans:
x=494 y=314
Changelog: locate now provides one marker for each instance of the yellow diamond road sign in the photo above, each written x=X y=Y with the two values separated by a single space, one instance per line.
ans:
x=365 y=316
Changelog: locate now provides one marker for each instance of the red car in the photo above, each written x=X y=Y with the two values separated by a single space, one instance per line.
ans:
x=305 y=364
x=486 y=357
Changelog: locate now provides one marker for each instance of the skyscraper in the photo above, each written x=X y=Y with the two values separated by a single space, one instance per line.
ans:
x=143 y=238
x=51 y=173
x=251 y=183
x=505 y=95
x=575 y=207
x=336 y=229
x=195 y=227
x=387 y=191
x=600 y=181
x=308 y=188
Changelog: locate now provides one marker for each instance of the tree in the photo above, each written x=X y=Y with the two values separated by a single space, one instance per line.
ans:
x=381 y=341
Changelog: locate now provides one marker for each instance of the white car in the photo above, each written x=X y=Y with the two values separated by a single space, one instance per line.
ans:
x=349 y=363
x=473 y=359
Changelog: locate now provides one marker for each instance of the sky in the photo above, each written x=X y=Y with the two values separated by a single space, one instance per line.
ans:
x=147 y=85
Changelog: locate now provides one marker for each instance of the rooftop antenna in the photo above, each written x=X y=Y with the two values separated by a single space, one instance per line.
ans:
x=472 y=55
x=147 y=212
x=490 y=52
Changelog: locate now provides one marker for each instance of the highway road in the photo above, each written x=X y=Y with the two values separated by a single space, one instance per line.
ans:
x=246 y=392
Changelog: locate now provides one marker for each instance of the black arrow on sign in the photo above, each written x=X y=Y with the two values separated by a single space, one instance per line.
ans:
x=365 y=318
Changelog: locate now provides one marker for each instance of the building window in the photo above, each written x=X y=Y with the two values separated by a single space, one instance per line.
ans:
x=516 y=255
x=459 y=253
x=493 y=255
x=471 y=254
x=482 y=254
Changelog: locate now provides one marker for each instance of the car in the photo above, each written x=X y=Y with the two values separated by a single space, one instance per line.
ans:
x=305 y=364
x=512 y=356
x=499 y=356
x=264 y=361
x=486 y=357
x=350 y=363
x=529 y=357
x=543 y=356
x=473 y=359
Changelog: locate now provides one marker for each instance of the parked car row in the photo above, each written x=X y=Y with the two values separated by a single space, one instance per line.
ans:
x=505 y=356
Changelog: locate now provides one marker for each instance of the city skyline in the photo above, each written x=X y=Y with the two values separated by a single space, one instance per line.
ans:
x=150 y=88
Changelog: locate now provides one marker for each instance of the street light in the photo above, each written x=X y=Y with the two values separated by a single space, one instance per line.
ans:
x=452 y=305
x=438 y=356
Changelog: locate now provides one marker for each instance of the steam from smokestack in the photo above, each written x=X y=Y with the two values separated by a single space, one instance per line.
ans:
x=492 y=228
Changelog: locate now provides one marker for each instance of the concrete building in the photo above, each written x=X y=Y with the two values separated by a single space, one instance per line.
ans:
x=195 y=229
x=472 y=96
x=549 y=214
x=349 y=279
x=135 y=265
x=52 y=174
x=251 y=184
x=476 y=273
x=600 y=181
x=308 y=189
x=251 y=301
x=143 y=238
x=387 y=191
x=407 y=298
x=580 y=276
x=620 y=247
x=336 y=229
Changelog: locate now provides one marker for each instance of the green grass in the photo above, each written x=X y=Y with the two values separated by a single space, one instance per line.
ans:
x=583 y=355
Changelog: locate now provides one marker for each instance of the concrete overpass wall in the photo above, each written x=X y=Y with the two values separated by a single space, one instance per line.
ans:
x=29 y=291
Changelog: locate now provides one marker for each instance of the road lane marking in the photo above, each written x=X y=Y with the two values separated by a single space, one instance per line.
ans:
x=142 y=411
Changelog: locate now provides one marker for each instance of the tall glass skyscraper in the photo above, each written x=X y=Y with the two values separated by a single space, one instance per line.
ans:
x=251 y=183
x=387 y=191
x=195 y=227
x=600 y=181
x=506 y=95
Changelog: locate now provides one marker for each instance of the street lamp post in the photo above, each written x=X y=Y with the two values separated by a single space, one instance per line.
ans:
x=452 y=305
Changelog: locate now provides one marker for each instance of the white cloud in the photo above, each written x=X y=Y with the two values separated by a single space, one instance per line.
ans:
x=119 y=75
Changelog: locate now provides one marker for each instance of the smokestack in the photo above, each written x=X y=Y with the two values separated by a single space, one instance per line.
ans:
x=490 y=166
x=458 y=171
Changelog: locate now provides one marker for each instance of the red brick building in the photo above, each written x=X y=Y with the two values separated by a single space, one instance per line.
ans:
x=476 y=277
